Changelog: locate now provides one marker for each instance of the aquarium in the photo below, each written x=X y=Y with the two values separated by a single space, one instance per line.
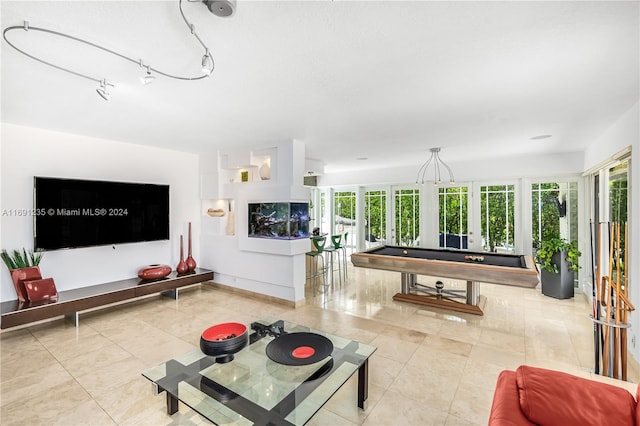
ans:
x=282 y=221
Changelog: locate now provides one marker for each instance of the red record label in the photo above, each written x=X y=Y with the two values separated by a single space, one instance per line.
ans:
x=303 y=352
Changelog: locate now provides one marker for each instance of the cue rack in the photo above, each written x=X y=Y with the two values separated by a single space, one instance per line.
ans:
x=611 y=305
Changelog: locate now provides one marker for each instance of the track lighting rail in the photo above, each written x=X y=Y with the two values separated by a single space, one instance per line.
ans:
x=207 y=59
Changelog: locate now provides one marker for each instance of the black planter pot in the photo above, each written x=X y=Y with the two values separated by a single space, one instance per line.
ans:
x=558 y=285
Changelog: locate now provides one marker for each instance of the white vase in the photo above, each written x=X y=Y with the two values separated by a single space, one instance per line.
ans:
x=265 y=171
x=231 y=223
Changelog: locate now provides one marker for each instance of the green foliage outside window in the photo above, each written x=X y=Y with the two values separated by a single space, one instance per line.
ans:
x=497 y=216
x=545 y=217
x=453 y=210
x=618 y=198
x=376 y=215
x=407 y=211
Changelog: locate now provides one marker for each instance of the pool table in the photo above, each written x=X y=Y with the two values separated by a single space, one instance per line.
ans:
x=474 y=267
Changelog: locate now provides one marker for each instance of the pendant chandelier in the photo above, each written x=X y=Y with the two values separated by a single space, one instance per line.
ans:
x=438 y=165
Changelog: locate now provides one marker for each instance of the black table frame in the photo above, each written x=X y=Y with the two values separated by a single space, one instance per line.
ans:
x=249 y=409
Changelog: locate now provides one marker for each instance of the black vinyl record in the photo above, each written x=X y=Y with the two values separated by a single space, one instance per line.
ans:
x=299 y=348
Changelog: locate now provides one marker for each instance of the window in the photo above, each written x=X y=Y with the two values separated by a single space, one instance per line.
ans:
x=554 y=211
x=453 y=208
x=497 y=212
x=375 y=211
x=618 y=209
x=407 y=209
x=345 y=215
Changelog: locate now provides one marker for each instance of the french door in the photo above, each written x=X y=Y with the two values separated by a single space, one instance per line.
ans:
x=453 y=217
x=375 y=223
x=497 y=218
x=406 y=217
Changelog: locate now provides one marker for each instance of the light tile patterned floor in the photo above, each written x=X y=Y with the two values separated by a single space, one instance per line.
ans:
x=432 y=366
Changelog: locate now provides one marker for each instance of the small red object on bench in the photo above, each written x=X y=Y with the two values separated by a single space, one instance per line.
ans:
x=154 y=272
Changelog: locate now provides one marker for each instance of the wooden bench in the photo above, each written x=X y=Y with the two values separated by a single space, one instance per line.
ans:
x=71 y=302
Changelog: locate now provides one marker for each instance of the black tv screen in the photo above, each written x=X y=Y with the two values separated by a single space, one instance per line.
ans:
x=71 y=213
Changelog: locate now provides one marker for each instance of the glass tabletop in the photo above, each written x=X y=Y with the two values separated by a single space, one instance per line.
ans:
x=253 y=389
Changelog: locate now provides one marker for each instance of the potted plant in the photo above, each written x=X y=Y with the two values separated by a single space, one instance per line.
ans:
x=23 y=266
x=558 y=260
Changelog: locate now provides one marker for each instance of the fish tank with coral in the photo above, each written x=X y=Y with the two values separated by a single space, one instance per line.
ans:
x=280 y=221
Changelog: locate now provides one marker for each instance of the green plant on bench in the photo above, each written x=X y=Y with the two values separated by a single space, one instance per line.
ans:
x=21 y=259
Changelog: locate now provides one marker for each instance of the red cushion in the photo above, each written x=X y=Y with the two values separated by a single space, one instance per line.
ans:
x=554 y=398
x=637 y=405
x=505 y=410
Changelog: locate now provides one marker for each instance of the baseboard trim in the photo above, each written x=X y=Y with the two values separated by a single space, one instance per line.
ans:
x=258 y=296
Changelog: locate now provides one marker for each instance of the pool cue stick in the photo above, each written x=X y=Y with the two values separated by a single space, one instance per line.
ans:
x=605 y=346
x=610 y=300
x=616 y=311
x=595 y=304
x=627 y=302
x=623 y=332
x=602 y=288
x=607 y=300
x=628 y=307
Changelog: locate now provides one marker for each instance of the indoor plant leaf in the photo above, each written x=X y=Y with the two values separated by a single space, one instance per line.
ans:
x=551 y=246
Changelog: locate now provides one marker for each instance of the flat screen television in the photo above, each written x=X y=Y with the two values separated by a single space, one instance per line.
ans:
x=73 y=213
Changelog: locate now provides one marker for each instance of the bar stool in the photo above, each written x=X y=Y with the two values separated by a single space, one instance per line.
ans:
x=315 y=255
x=334 y=248
x=343 y=247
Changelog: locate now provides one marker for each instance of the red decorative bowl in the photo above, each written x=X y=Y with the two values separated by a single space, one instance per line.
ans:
x=154 y=272
x=224 y=340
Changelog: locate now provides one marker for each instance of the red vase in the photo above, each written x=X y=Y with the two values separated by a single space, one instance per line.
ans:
x=182 y=267
x=191 y=263
x=20 y=275
x=154 y=272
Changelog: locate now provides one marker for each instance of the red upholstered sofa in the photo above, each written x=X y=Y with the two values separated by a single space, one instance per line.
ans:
x=537 y=396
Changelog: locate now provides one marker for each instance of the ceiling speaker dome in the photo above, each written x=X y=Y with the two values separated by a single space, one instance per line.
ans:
x=223 y=8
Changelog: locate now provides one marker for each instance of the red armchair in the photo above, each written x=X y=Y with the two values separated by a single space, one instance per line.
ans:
x=536 y=396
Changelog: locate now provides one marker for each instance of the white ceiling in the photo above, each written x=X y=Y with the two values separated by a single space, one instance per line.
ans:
x=384 y=80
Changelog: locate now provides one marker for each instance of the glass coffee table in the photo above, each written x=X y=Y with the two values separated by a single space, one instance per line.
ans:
x=253 y=389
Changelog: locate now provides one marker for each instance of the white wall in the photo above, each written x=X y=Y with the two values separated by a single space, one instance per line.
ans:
x=28 y=152
x=623 y=133
x=266 y=266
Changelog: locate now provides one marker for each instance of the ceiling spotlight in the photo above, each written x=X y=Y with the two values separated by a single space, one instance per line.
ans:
x=103 y=90
x=437 y=165
x=222 y=8
x=207 y=63
x=148 y=78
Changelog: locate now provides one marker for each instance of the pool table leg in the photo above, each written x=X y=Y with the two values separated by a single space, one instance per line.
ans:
x=474 y=301
x=473 y=293
x=408 y=281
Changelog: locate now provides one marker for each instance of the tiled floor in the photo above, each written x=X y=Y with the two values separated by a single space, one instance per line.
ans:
x=431 y=366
